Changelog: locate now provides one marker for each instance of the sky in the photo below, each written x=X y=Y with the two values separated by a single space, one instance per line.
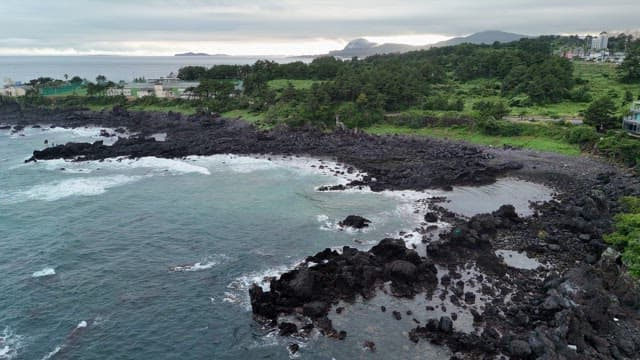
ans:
x=283 y=27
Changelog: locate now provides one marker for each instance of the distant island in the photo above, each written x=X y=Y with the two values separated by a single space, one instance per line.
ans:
x=192 y=54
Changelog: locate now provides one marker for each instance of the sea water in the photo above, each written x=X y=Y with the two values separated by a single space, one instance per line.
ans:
x=153 y=258
x=115 y=68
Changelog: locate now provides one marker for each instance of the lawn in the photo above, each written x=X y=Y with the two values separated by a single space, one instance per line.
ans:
x=465 y=134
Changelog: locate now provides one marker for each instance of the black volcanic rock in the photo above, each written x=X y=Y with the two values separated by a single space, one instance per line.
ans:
x=354 y=221
x=343 y=276
x=431 y=217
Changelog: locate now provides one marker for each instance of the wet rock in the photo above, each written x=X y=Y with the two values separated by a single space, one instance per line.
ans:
x=402 y=269
x=294 y=348
x=356 y=222
x=431 y=217
x=287 y=329
x=507 y=211
x=315 y=309
x=445 y=325
x=302 y=285
x=470 y=298
x=369 y=345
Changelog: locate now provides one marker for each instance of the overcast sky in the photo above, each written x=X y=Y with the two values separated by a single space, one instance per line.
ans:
x=287 y=27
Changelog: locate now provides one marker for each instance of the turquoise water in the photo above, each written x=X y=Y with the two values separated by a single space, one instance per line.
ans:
x=152 y=259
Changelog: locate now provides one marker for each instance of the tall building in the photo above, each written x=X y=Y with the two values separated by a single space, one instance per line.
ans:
x=600 y=42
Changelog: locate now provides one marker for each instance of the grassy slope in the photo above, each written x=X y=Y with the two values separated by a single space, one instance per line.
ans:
x=460 y=133
x=602 y=80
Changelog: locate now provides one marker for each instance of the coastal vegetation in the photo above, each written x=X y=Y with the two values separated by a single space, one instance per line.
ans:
x=517 y=94
x=626 y=237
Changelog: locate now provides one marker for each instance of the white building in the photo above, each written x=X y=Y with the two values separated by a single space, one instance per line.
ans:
x=600 y=42
x=118 y=92
x=166 y=89
x=13 y=91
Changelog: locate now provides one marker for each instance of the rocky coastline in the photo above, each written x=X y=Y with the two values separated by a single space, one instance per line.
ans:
x=582 y=306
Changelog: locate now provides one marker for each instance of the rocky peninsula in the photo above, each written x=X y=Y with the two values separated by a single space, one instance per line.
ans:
x=582 y=305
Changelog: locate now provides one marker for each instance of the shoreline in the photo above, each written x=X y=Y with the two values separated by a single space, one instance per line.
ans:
x=553 y=311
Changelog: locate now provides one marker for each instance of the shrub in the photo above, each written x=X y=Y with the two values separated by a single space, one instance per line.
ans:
x=619 y=147
x=411 y=120
x=581 y=94
x=491 y=109
x=626 y=237
x=581 y=135
x=499 y=128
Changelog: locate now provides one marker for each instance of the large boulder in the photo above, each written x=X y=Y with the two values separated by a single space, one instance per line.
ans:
x=302 y=284
x=355 y=221
x=402 y=269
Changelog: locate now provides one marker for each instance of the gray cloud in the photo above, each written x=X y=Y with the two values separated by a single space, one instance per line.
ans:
x=113 y=25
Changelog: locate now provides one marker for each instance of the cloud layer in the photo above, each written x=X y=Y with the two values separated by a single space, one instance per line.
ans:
x=280 y=26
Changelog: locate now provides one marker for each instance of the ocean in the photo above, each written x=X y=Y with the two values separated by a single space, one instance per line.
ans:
x=153 y=258
x=115 y=68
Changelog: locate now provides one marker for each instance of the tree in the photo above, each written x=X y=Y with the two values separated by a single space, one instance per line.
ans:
x=628 y=97
x=601 y=114
x=100 y=79
x=630 y=67
x=191 y=73
x=491 y=110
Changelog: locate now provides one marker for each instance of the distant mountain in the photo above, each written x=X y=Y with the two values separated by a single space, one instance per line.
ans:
x=363 y=47
x=484 y=37
x=192 y=54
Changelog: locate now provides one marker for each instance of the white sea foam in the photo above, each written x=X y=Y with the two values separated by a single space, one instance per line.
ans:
x=171 y=165
x=44 y=272
x=239 y=287
x=83 y=324
x=90 y=186
x=53 y=353
x=86 y=132
x=153 y=164
x=300 y=165
x=194 y=267
x=10 y=344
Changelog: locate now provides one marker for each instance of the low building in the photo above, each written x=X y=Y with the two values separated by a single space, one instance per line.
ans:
x=13 y=91
x=160 y=89
x=118 y=92
x=631 y=123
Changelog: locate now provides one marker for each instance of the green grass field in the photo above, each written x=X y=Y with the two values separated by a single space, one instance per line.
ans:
x=532 y=142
